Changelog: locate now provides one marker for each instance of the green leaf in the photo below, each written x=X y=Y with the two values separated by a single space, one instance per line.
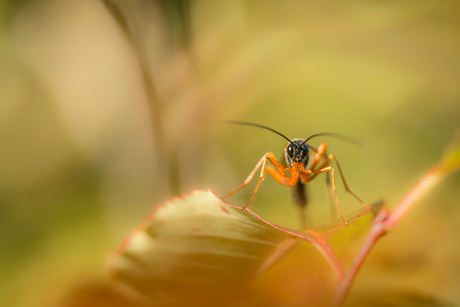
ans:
x=194 y=246
x=201 y=249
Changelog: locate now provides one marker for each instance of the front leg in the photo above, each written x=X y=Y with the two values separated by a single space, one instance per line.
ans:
x=320 y=154
x=278 y=173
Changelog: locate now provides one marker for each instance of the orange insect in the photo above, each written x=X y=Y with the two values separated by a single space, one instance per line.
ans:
x=295 y=161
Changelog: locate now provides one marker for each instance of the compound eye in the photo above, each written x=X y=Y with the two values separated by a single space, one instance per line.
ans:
x=305 y=147
x=290 y=150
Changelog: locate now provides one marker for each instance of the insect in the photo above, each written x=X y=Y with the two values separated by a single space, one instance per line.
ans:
x=295 y=161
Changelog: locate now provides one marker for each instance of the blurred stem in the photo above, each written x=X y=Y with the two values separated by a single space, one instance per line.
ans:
x=178 y=15
x=344 y=285
x=385 y=221
x=177 y=12
x=424 y=185
x=165 y=155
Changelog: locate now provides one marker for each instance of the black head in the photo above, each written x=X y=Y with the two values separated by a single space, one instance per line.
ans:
x=296 y=151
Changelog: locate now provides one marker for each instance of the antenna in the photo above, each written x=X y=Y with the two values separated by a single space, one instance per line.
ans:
x=235 y=122
x=337 y=136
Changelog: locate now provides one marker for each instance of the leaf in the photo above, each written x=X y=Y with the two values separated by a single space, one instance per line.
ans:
x=190 y=247
x=201 y=249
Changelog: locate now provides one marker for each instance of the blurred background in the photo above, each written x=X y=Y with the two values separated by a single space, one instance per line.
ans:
x=107 y=108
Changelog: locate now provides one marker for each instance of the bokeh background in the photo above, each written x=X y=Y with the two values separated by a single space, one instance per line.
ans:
x=107 y=108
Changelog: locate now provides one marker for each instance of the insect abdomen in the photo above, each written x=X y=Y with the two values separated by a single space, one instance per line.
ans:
x=300 y=195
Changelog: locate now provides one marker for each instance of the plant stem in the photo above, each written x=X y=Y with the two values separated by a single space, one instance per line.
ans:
x=424 y=185
x=377 y=230
x=385 y=222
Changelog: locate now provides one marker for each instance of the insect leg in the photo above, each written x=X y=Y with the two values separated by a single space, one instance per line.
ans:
x=320 y=153
x=324 y=170
x=328 y=160
x=278 y=174
x=344 y=182
x=251 y=175
x=347 y=188
x=329 y=198
x=334 y=190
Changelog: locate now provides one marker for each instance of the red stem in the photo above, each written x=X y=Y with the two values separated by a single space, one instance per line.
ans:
x=377 y=230
x=385 y=222
x=424 y=185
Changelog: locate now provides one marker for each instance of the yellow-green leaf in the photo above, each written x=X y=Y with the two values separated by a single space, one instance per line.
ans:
x=199 y=249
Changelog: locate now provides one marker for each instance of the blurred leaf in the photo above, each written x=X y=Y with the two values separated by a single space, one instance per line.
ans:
x=190 y=248
x=200 y=249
